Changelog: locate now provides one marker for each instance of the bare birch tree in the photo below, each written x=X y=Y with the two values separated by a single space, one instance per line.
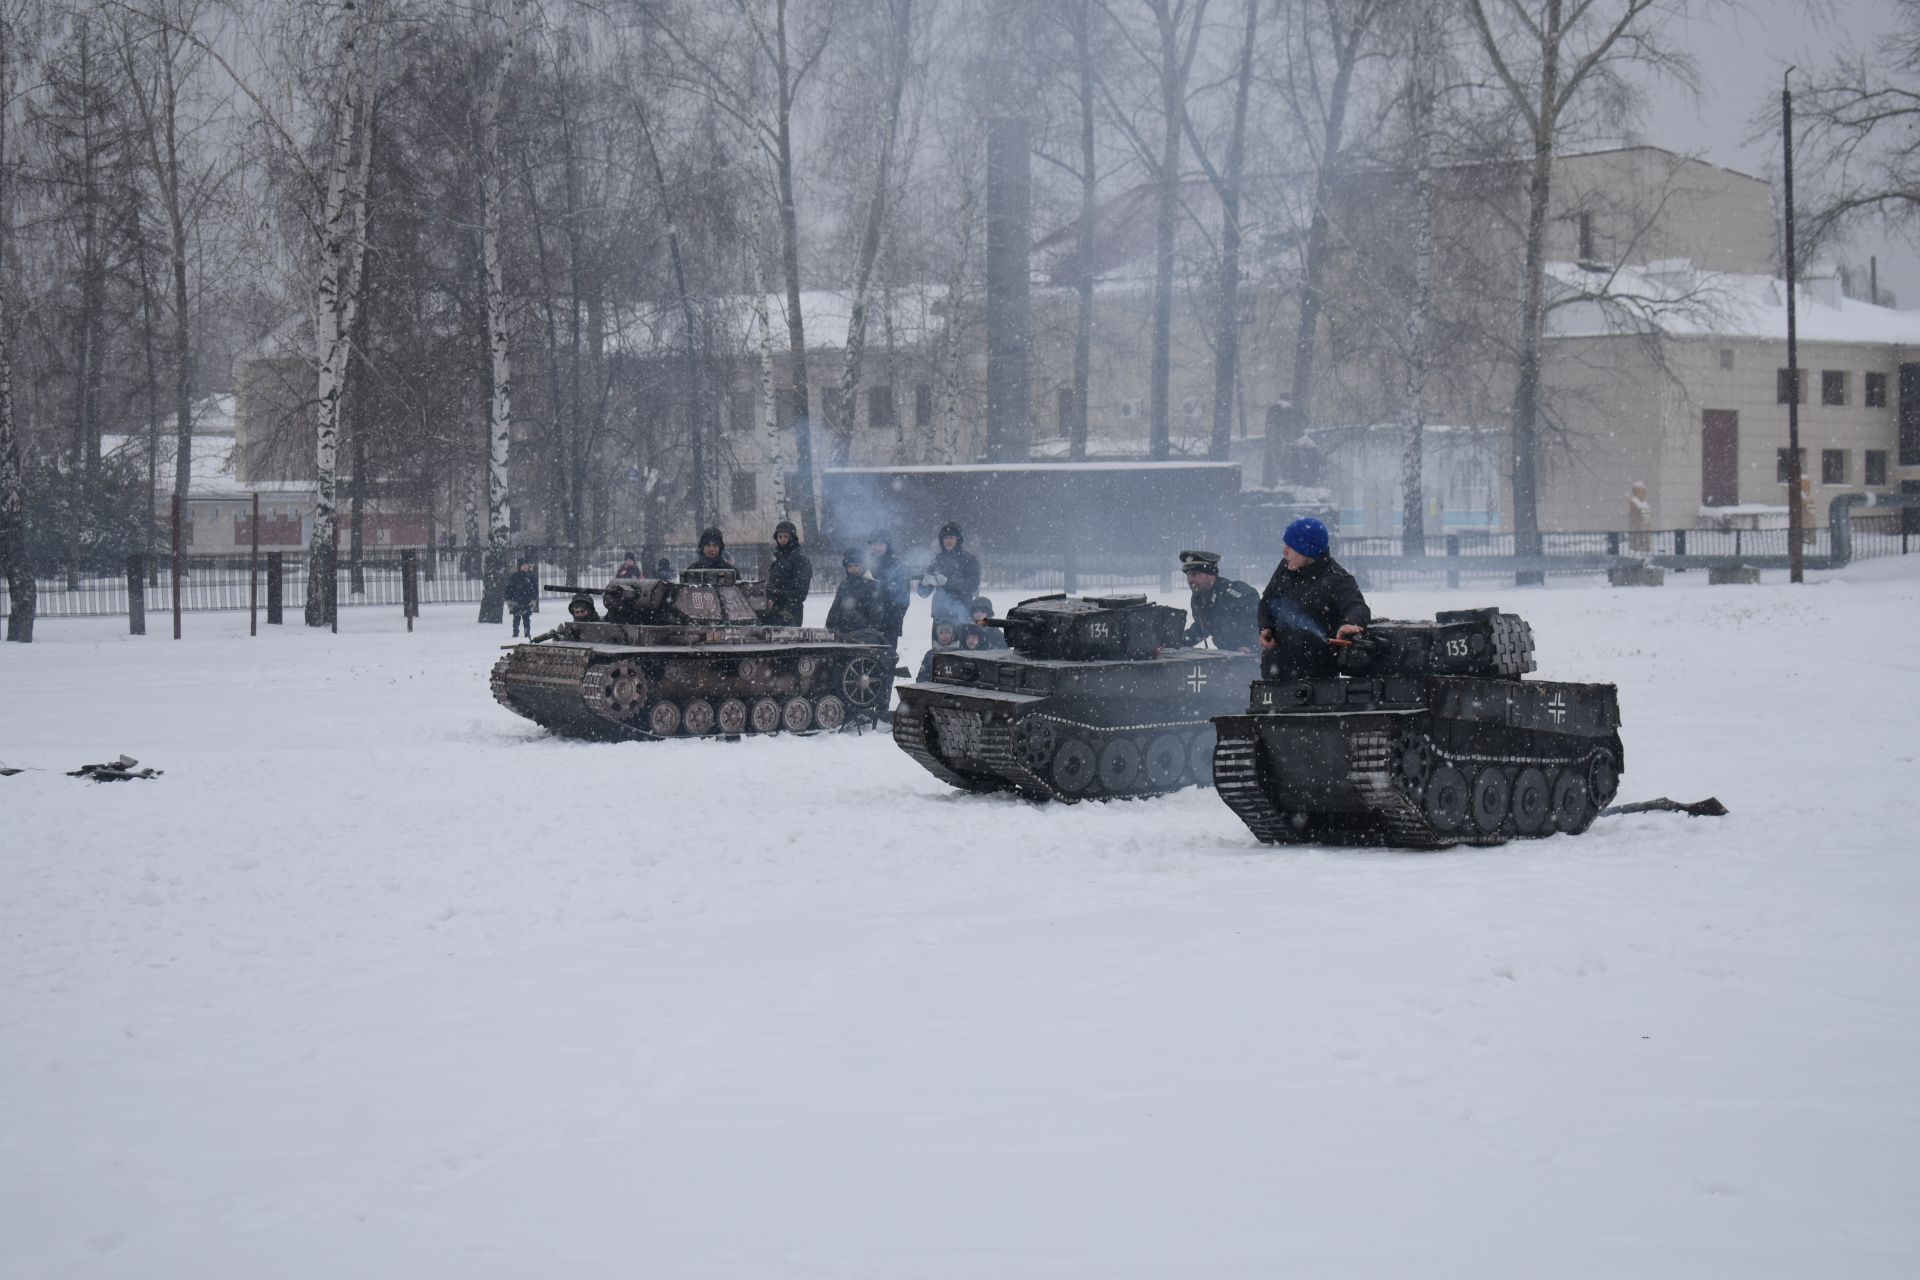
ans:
x=342 y=229
x=22 y=601
x=504 y=32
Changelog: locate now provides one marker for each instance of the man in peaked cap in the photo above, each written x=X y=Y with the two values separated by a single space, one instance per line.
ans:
x=1310 y=604
x=1224 y=610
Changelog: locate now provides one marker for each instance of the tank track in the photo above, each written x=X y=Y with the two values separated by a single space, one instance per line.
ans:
x=1236 y=776
x=1394 y=815
x=996 y=747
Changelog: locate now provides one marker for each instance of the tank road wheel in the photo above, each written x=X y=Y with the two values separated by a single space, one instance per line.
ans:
x=663 y=719
x=1412 y=764
x=1037 y=741
x=619 y=687
x=1166 y=761
x=829 y=712
x=796 y=715
x=1200 y=756
x=1445 y=803
x=1120 y=765
x=1603 y=779
x=860 y=683
x=1572 y=804
x=697 y=717
x=1491 y=795
x=1530 y=802
x=1073 y=768
x=733 y=717
x=764 y=715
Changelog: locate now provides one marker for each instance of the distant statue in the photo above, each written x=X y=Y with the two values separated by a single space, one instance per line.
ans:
x=1639 y=519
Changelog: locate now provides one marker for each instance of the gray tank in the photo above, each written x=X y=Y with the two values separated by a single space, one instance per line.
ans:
x=690 y=658
x=1097 y=698
x=1427 y=738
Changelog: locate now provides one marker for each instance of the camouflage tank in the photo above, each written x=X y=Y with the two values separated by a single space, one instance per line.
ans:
x=1427 y=738
x=1097 y=698
x=690 y=657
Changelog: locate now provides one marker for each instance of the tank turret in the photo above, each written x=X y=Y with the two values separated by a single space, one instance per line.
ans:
x=690 y=657
x=1092 y=628
x=1098 y=698
x=1429 y=736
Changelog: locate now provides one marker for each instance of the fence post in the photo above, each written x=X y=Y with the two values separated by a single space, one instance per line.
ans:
x=178 y=566
x=136 y=595
x=253 y=573
x=1679 y=548
x=1453 y=549
x=1736 y=541
x=410 y=586
x=276 y=587
x=1613 y=544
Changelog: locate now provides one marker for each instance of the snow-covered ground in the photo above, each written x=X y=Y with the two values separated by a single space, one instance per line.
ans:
x=380 y=980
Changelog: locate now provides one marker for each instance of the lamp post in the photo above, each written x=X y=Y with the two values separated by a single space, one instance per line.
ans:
x=1796 y=523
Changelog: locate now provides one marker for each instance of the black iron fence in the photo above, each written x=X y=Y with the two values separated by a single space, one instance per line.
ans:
x=453 y=575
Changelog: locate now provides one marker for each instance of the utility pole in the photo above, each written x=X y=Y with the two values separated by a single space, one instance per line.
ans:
x=1796 y=531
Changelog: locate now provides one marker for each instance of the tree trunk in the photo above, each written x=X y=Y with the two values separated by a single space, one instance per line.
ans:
x=790 y=261
x=13 y=511
x=901 y=12
x=769 y=404
x=1413 y=524
x=1083 y=240
x=499 y=335
x=1526 y=391
x=1226 y=342
x=699 y=404
x=342 y=253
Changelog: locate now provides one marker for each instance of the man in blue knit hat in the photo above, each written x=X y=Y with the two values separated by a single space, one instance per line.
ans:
x=1310 y=603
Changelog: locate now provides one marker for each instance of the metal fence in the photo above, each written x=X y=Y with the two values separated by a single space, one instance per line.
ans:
x=452 y=575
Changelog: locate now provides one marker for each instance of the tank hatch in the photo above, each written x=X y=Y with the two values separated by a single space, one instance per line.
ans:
x=1092 y=628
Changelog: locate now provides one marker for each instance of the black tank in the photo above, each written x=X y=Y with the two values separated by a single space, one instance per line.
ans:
x=1427 y=738
x=1097 y=698
x=690 y=657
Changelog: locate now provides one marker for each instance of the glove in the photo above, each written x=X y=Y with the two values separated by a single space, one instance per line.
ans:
x=935 y=579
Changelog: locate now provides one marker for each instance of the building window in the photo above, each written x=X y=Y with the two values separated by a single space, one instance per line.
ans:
x=742 y=408
x=1833 y=466
x=923 y=405
x=1780 y=465
x=1784 y=385
x=1876 y=388
x=1726 y=357
x=746 y=495
x=880 y=407
x=1833 y=386
x=1876 y=466
x=1065 y=403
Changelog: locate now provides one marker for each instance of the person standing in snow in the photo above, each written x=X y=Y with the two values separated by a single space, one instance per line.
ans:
x=523 y=588
x=713 y=551
x=629 y=568
x=891 y=576
x=952 y=579
x=1310 y=604
x=859 y=606
x=1225 y=612
x=663 y=570
x=789 y=578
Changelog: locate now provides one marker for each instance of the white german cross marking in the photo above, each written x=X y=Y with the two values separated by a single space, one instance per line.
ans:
x=1557 y=706
x=1197 y=680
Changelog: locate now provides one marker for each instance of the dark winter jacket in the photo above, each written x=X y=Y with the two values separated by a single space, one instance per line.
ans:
x=789 y=578
x=1319 y=598
x=1228 y=613
x=956 y=576
x=859 y=605
x=627 y=570
x=896 y=588
x=719 y=561
x=523 y=588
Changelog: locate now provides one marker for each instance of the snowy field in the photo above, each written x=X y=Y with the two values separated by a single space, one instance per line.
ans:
x=380 y=980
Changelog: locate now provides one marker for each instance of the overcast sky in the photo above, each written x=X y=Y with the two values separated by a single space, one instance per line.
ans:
x=1741 y=54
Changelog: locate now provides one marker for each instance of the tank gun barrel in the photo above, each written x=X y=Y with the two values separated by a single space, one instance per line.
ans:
x=571 y=590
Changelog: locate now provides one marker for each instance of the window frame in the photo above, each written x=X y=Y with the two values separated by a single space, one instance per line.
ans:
x=1874 y=392
x=1873 y=476
x=1785 y=385
x=1834 y=386
x=1833 y=466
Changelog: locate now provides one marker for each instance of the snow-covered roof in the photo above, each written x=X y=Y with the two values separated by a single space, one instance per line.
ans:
x=1677 y=299
x=914 y=312
x=213 y=454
